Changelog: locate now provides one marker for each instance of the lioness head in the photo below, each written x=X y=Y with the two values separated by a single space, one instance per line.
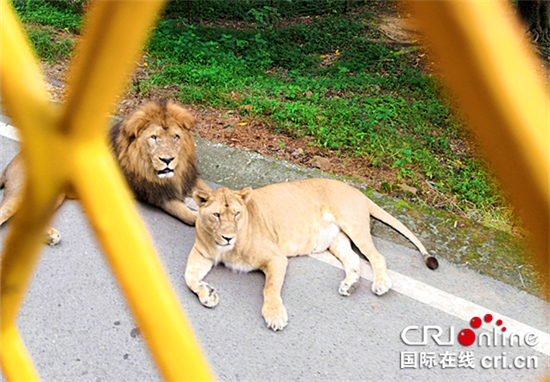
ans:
x=222 y=213
x=155 y=139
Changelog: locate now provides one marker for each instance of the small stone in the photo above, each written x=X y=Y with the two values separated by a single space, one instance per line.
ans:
x=296 y=153
x=321 y=163
x=410 y=189
x=135 y=332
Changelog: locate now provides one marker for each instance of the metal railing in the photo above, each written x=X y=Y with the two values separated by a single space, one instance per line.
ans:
x=497 y=80
x=66 y=148
x=483 y=57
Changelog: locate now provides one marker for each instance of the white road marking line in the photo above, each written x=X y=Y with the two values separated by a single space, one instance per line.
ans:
x=9 y=131
x=412 y=288
x=446 y=302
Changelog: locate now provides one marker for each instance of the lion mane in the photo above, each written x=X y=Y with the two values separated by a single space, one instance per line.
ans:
x=135 y=158
x=156 y=152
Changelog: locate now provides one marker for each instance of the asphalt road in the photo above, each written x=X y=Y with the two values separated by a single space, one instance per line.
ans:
x=77 y=327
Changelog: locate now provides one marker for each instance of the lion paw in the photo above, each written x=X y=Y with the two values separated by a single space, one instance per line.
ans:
x=381 y=285
x=275 y=315
x=208 y=296
x=346 y=288
x=52 y=236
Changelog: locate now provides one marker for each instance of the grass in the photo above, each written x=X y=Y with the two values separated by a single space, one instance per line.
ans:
x=48 y=23
x=48 y=45
x=326 y=79
x=54 y=13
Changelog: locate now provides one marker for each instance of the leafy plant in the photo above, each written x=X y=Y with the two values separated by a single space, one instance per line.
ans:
x=58 y=14
x=265 y=15
x=48 y=46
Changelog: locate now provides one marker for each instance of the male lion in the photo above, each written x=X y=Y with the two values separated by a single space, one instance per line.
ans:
x=156 y=153
x=258 y=229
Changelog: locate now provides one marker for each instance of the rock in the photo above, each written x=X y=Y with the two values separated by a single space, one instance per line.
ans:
x=321 y=163
x=296 y=153
x=410 y=189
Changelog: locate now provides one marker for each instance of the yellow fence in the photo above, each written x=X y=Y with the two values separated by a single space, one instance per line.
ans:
x=489 y=63
x=483 y=57
x=66 y=148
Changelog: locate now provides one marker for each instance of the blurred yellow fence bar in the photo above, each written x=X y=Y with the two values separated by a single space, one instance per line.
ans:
x=65 y=148
x=483 y=58
x=489 y=62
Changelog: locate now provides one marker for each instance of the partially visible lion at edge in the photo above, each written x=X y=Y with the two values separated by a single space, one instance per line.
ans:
x=156 y=153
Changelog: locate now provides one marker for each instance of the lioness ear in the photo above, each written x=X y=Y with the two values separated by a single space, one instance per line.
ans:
x=183 y=117
x=200 y=197
x=245 y=194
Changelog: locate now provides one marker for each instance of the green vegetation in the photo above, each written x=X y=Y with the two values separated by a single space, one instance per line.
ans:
x=49 y=46
x=368 y=100
x=54 y=13
x=46 y=21
x=326 y=77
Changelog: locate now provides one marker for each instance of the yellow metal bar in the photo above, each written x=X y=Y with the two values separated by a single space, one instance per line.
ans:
x=103 y=61
x=20 y=72
x=24 y=95
x=16 y=363
x=66 y=148
x=490 y=68
x=147 y=290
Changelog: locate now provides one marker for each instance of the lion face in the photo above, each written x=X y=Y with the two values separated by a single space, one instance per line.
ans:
x=155 y=145
x=161 y=146
x=222 y=213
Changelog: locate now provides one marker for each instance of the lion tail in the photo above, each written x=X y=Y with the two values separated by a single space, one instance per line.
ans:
x=3 y=178
x=379 y=214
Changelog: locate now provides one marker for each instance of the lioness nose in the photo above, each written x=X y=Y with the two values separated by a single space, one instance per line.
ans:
x=167 y=160
x=227 y=238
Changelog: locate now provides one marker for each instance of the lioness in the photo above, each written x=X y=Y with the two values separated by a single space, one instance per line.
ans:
x=156 y=153
x=258 y=229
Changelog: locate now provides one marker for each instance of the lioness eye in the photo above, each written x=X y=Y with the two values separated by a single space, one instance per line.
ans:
x=176 y=137
x=153 y=137
x=216 y=215
x=237 y=214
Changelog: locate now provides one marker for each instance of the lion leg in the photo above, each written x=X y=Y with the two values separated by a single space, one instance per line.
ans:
x=200 y=185
x=178 y=209
x=13 y=178
x=197 y=268
x=273 y=310
x=10 y=204
x=52 y=235
x=381 y=283
x=341 y=249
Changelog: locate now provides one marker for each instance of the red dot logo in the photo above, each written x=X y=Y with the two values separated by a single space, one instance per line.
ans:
x=499 y=322
x=467 y=336
x=475 y=322
x=488 y=318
